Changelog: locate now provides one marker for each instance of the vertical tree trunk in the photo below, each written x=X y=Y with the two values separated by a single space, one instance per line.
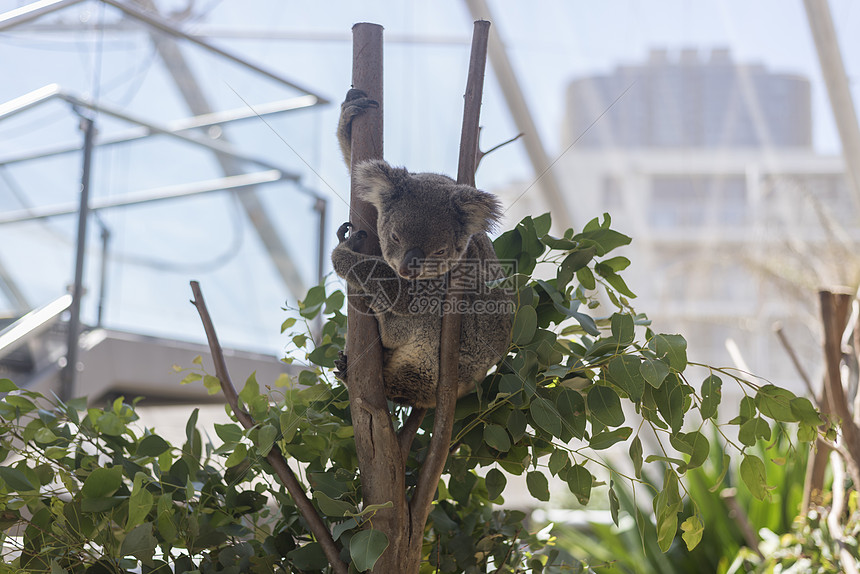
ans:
x=380 y=464
x=835 y=308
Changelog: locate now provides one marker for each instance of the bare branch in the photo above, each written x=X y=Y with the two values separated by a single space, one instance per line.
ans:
x=407 y=432
x=481 y=154
x=780 y=333
x=274 y=458
x=446 y=390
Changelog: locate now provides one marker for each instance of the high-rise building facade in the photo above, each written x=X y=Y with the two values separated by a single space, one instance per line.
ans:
x=708 y=164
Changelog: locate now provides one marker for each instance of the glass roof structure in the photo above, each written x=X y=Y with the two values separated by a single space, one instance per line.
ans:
x=215 y=157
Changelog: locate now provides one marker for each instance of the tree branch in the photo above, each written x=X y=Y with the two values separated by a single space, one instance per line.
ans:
x=274 y=458
x=407 y=432
x=780 y=334
x=446 y=389
x=482 y=154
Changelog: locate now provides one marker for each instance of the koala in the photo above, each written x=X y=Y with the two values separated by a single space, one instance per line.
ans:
x=433 y=235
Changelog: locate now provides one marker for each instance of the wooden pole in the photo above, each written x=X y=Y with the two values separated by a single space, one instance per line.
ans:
x=835 y=308
x=446 y=390
x=380 y=463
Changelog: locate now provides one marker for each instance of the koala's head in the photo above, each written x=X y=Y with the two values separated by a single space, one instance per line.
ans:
x=425 y=220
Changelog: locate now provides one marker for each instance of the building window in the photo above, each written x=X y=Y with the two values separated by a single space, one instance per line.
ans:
x=695 y=200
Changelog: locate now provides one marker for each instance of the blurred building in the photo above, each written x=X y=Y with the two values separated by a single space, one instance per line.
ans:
x=708 y=164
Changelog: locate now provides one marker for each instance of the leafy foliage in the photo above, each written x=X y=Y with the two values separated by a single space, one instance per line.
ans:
x=87 y=488
x=632 y=548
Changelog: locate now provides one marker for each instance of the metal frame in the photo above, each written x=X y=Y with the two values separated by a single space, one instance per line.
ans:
x=228 y=183
x=38 y=9
x=54 y=91
x=180 y=125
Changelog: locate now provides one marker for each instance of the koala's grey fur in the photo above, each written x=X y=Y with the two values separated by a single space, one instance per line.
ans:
x=428 y=225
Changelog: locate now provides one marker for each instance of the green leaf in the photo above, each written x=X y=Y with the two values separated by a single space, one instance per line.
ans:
x=44 y=436
x=625 y=371
x=754 y=477
x=289 y=322
x=711 y=396
x=672 y=347
x=775 y=402
x=152 y=445
x=804 y=412
x=525 y=325
x=538 y=485
x=15 y=480
x=508 y=245
x=654 y=371
x=606 y=439
x=614 y=505
x=191 y=425
x=341 y=527
x=726 y=464
x=366 y=547
x=164 y=522
x=635 y=452
x=667 y=505
x=517 y=423
x=308 y=557
x=693 y=529
x=605 y=406
x=139 y=543
x=228 y=432
x=579 y=481
x=250 y=390
x=542 y=223
x=574 y=261
x=332 y=507
x=752 y=430
x=544 y=414
x=670 y=402
x=605 y=239
x=190 y=378
x=586 y=278
x=102 y=482
x=495 y=482
x=622 y=328
x=571 y=407
x=694 y=444
x=139 y=505
x=334 y=302
x=614 y=280
x=212 y=384
x=266 y=439
x=558 y=460
x=497 y=437
x=239 y=455
x=313 y=302
x=6 y=386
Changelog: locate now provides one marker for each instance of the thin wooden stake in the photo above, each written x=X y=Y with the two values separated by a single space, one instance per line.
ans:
x=446 y=390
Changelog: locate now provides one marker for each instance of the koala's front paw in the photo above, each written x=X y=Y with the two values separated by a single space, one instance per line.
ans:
x=340 y=366
x=354 y=240
x=355 y=104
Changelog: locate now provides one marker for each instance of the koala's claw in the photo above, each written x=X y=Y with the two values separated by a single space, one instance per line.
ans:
x=341 y=232
x=356 y=103
x=340 y=366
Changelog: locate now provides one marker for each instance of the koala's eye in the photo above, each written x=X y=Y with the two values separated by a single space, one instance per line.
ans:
x=394 y=238
x=441 y=252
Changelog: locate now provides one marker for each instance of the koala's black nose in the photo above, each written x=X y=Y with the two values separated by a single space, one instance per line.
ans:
x=410 y=267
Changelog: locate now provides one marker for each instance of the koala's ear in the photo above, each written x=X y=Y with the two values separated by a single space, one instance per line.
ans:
x=479 y=211
x=378 y=182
